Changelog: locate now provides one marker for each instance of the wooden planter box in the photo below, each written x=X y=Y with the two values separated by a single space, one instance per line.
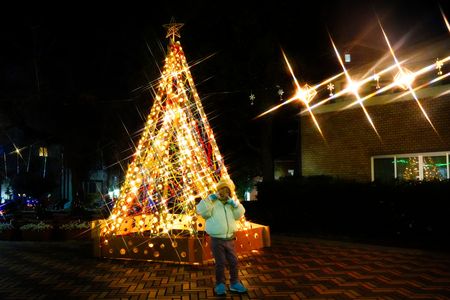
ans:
x=188 y=249
x=33 y=235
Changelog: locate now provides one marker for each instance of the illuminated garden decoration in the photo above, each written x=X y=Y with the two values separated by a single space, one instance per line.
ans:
x=177 y=158
x=176 y=162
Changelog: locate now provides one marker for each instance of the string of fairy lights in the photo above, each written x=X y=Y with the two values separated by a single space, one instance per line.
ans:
x=404 y=79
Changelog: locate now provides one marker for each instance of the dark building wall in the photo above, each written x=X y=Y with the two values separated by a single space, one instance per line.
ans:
x=350 y=141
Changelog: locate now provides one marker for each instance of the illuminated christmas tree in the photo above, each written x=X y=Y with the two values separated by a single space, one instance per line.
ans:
x=176 y=161
x=431 y=170
x=412 y=169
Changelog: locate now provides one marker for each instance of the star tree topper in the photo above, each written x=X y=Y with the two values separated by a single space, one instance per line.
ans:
x=173 y=29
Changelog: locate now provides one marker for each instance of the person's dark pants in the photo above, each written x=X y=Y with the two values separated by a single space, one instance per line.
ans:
x=223 y=252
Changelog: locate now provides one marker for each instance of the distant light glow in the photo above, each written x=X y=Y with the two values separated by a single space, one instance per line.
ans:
x=404 y=78
x=304 y=94
x=353 y=87
x=317 y=86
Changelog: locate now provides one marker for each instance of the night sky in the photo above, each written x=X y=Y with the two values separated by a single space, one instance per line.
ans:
x=81 y=73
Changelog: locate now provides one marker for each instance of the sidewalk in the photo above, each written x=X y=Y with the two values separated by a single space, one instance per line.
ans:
x=293 y=268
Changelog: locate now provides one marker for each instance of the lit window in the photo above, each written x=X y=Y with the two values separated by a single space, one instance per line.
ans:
x=408 y=168
x=347 y=57
x=434 y=167
x=420 y=166
x=43 y=152
x=291 y=172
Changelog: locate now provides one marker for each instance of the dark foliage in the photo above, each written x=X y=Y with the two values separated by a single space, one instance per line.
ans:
x=403 y=213
x=33 y=184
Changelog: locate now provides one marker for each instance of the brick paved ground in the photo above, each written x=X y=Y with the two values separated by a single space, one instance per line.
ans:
x=294 y=268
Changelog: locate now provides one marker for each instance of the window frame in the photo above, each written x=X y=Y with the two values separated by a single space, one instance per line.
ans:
x=419 y=155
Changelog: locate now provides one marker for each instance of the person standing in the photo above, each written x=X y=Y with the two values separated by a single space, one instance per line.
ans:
x=221 y=213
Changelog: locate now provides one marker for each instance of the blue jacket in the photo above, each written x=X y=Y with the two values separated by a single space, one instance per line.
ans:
x=220 y=218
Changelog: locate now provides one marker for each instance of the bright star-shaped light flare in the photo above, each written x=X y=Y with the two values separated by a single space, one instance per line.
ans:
x=334 y=96
x=305 y=94
x=402 y=73
x=376 y=77
x=18 y=151
x=416 y=88
x=317 y=86
x=353 y=87
x=381 y=89
x=394 y=83
x=404 y=78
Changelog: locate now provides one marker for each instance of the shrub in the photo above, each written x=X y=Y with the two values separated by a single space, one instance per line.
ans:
x=41 y=226
x=75 y=225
